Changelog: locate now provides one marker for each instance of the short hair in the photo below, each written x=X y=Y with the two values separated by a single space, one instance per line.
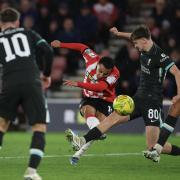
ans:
x=140 y=32
x=107 y=62
x=9 y=15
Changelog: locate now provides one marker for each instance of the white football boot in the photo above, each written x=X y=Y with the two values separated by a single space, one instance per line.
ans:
x=76 y=141
x=152 y=155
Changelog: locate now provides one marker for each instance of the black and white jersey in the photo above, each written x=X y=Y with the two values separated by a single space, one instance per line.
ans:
x=18 y=55
x=154 y=66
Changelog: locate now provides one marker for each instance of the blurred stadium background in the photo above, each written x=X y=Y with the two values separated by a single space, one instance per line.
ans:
x=83 y=21
x=88 y=21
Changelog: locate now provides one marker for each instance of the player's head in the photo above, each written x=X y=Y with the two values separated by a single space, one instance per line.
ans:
x=104 y=67
x=9 y=17
x=141 y=37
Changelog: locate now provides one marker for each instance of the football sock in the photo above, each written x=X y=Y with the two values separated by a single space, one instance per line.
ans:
x=83 y=149
x=36 y=149
x=93 y=134
x=167 y=129
x=1 y=138
x=92 y=121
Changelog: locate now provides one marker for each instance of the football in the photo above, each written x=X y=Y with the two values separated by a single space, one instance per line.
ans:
x=123 y=105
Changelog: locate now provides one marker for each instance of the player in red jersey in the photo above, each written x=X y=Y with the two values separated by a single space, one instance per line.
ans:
x=98 y=88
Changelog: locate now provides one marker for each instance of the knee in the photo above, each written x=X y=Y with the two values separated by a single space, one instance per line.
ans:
x=87 y=111
x=4 y=124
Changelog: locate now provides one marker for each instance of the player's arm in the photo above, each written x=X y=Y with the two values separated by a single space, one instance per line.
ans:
x=98 y=87
x=167 y=64
x=73 y=46
x=46 y=53
x=176 y=72
x=120 y=34
x=44 y=57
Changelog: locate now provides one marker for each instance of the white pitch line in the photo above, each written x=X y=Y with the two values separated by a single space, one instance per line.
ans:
x=69 y=155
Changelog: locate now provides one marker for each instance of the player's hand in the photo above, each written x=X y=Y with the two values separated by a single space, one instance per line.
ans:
x=70 y=83
x=175 y=99
x=55 y=43
x=114 y=31
x=46 y=81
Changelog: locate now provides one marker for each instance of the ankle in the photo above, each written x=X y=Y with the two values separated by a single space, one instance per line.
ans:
x=158 y=148
x=31 y=170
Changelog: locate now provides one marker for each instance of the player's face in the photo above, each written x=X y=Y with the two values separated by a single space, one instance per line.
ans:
x=140 y=44
x=102 y=72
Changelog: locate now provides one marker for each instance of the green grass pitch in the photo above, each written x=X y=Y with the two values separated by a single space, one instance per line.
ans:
x=118 y=157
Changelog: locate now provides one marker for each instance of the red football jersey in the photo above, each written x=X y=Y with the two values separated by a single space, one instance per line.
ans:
x=91 y=59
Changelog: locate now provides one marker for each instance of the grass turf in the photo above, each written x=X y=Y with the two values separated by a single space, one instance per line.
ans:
x=56 y=166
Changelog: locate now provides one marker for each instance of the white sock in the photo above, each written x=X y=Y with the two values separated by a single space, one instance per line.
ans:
x=92 y=122
x=158 y=148
x=31 y=170
x=84 y=148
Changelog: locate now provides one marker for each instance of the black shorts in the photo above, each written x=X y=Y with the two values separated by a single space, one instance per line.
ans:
x=30 y=96
x=100 y=105
x=150 y=110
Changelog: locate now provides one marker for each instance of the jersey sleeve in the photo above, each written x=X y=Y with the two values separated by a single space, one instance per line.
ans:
x=36 y=38
x=90 y=56
x=44 y=53
x=111 y=80
x=165 y=61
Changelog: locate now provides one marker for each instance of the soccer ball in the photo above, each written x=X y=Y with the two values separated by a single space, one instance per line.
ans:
x=123 y=105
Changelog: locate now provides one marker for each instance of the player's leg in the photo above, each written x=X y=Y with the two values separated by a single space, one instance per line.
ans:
x=92 y=117
x=4 y=124
x=96 y=132
x=36 y=150
x=167 y=128
x=8 y=105
x=34 y=107
x=152 y=134
x=88 y=112
x=152 y=115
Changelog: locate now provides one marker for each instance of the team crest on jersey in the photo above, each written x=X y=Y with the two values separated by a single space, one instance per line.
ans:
x=90 y=53
x=164 y=57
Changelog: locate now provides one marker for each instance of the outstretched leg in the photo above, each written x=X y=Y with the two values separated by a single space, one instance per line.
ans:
x=95 y=133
